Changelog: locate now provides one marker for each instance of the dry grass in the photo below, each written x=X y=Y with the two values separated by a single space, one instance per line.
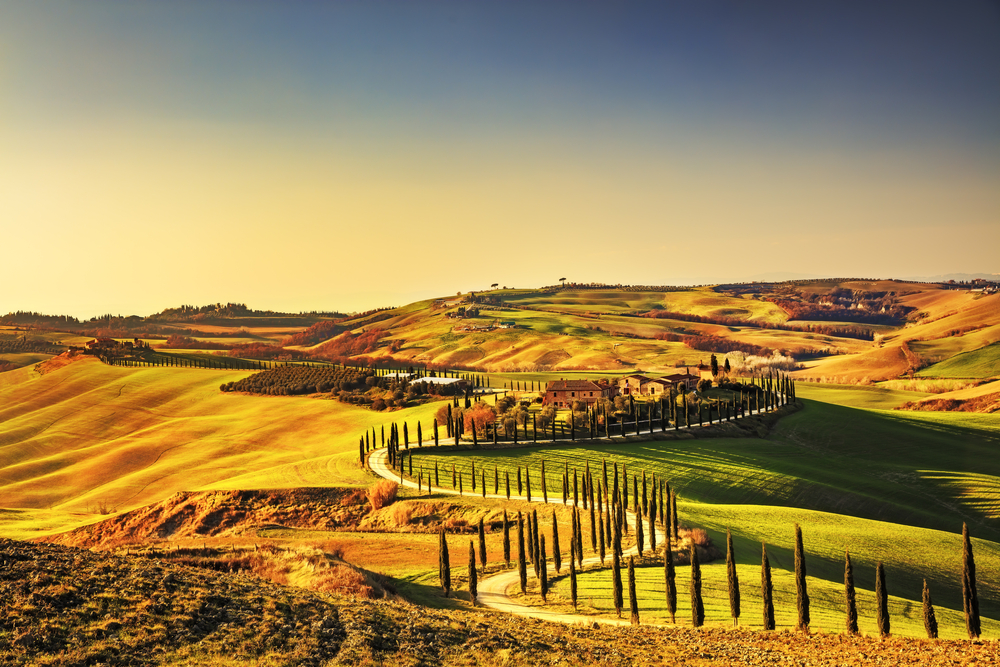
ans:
x=381 y=494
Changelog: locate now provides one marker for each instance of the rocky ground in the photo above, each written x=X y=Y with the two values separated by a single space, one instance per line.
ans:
x=67 y=606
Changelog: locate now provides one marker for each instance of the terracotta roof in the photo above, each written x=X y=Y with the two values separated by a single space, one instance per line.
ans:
x=573 y=385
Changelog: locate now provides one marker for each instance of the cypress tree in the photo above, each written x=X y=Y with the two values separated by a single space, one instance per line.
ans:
x=579 y=538
x=472 y=575
x=881 y=601
x=506 y=539
x=601 y=543
x=593 y=528
x=639 y=537
x=545 y=490
x=420 y=436
x=544 y=568
x=697 y=607
x=556 y=556
x=734 y=580
x=930 y=620
x=633 y=601
x=801 y=594
x=437 y=480
x=970 y=597
x=527 y=482
x=482 y=481
x=652 y=524
x=522 y=567
x=616 y=583
x=482 y=545
x=850 y=596
x=535 y=542
x=444 y=565
x=472 y=475
x=506 y=476
x=670 y=580
x=572 y=576
x=496 y=481
x=766 y=590
x=436 y=443
x=673 y=514
x=520 y=484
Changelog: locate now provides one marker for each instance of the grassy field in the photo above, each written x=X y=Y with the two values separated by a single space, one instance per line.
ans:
x=888 y=485
x=981 y=363
x=826 y=600
x=89 y=436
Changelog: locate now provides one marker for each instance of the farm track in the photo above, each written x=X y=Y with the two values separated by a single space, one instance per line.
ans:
x=493 y=590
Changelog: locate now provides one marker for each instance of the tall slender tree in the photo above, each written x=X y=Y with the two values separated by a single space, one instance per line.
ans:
x=670 y=580
x=930 y=620
x=444 y=563
x=766 y=590
x=544 y=568
x=881 y=601
x=556 y=555
x=506 y=539
x=473 y=582
x=850 y=596
x=616 y=583
x=482 y=545
x=522 y=567
x=633 y=601
x=734 y=580
x=970 y=597
x=639 y=537
x=801 y=594
x=697 y=606
x=572 y=576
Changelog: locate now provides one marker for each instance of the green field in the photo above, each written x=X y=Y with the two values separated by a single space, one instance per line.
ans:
x=826 y=600
x=888 y=485
x=981 y=363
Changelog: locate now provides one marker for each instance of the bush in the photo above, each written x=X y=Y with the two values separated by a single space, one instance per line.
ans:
x=380 y=494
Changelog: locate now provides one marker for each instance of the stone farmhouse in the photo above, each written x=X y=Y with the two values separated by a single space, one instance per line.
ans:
x=563 y=393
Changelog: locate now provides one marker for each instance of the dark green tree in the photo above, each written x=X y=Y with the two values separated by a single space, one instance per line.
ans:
x=444 y=564
x=616 y=583
x=572 y=576
x=930 y=620
x=766 y=590
x=482 y=545
x=801 y=594
x=473 y=582
x=639 y=536
x=633 y=601
x=697 y=606
x=734 y=580
x=522 y=566
x=670 y=578
x=556 y=555
x=506 y=539
x=850 y=595
x=881 y=601
x=970 y=597
x=544 y=568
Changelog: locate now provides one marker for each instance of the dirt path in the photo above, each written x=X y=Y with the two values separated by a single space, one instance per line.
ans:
x=493 y=590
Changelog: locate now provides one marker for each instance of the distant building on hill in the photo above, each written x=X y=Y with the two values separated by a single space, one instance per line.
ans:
x=563 y=393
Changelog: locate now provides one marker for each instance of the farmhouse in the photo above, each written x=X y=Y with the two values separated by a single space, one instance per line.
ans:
x=632 y=384
x=563 y=393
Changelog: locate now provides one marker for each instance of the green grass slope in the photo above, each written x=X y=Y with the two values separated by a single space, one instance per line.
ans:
x=981 y=363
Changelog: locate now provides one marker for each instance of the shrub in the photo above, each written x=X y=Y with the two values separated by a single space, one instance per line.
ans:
x=381 y=494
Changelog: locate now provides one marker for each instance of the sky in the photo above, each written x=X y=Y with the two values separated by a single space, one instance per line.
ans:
x=306 y=155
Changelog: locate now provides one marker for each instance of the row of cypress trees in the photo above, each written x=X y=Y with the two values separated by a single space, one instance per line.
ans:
x=531 y=548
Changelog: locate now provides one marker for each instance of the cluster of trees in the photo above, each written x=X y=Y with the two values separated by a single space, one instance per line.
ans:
x=22 y=344
x=296 y=380
x=38 y=320
x=315 y=334
x=349 y=344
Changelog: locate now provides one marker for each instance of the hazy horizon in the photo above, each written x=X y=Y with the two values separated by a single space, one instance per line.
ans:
x=344 y=156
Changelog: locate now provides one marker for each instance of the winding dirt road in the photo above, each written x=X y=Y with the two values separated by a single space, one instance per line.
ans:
x=493 y=590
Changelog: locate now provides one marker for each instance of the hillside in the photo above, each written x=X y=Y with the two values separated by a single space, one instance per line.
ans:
x=67 y=606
